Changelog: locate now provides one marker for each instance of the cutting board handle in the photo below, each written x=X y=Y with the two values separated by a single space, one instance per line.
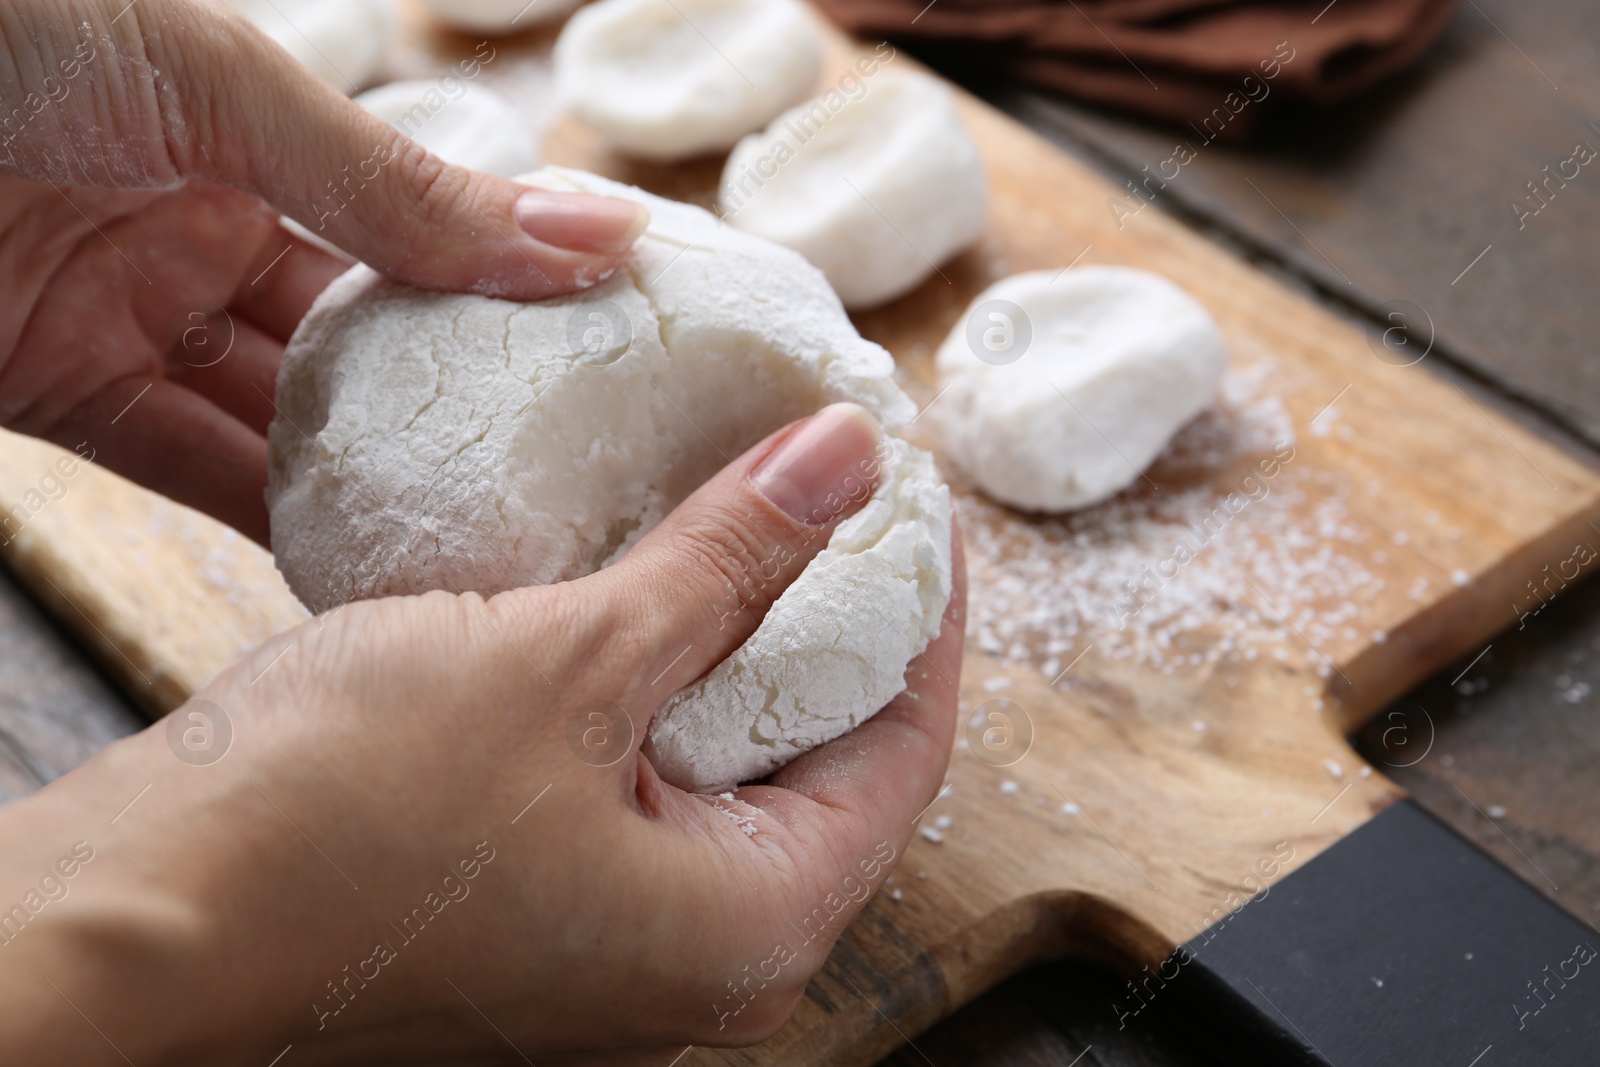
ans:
x=1402 y=945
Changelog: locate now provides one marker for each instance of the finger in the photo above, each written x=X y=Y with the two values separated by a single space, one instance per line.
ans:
x=274 y=129
x=835 y=821
x=696 y=587
x=177 y=443
x=231 y=363
x=279 y=285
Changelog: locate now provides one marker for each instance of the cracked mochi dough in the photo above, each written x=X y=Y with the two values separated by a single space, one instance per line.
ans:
x=498 y=16
x=468 y=125
x=441 y=441
x=670 y=79
x=875 y=186
x=1061 y=388
x=343 y=42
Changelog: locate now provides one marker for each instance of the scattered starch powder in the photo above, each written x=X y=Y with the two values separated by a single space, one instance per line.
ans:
x=1009 y=788
x=236 y=568
x=931 y=834
x=1045 y=588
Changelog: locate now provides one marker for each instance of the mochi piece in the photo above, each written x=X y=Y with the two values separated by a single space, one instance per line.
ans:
x=498 y=16
x=463 y=123
x=444 y=441
x=876 y=186
x=343 y=42
x=1060 y=388
x=669 y=79
x=878 y=590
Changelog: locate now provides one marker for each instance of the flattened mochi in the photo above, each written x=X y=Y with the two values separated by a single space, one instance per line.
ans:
x=1061 y=387
x=670 y=79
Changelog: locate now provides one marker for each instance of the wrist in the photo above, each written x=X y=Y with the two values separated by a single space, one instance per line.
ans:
x=109 y=942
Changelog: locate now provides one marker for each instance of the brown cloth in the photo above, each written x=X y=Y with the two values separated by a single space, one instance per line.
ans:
x=1186 y=61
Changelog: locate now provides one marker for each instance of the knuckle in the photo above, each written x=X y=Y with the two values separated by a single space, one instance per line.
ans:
x=428 y=183
x=736 y=551
x=433 y=190
x=568 y=623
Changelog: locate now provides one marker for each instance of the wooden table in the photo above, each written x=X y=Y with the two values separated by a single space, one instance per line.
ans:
x=1388 y=198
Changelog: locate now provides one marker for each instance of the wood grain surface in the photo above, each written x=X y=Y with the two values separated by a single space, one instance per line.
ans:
x=1166 y=820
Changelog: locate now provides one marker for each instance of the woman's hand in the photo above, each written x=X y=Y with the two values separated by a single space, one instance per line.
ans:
x=146 y=288
x=432 y=832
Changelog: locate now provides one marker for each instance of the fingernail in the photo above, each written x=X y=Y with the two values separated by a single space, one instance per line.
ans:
x=580 y=222
x=828 y=463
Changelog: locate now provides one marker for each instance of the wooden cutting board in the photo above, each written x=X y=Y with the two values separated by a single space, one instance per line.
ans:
x=1171 y=757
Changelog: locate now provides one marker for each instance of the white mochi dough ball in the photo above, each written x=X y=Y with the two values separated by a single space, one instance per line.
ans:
x=875 y=186
x=443 y=441
x=498 y=16
x=1062 y=387
x=344 y=42
x=671 y=79
x=462 y=123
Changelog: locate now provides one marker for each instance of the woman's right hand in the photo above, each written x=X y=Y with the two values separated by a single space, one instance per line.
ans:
x=409 y=850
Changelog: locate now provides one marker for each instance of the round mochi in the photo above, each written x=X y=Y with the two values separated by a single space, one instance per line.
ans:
x=875 y=182
x=670 y=79
x=498 y=16
x=1060 y=388
x=442 y=441
x=469 y=125
x=343 y=42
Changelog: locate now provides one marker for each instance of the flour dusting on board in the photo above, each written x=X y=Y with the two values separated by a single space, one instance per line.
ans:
x=1230 y=552
x=232 y=570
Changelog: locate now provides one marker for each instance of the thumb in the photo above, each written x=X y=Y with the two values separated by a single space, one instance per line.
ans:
x=701 y=582
x=194 y=90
